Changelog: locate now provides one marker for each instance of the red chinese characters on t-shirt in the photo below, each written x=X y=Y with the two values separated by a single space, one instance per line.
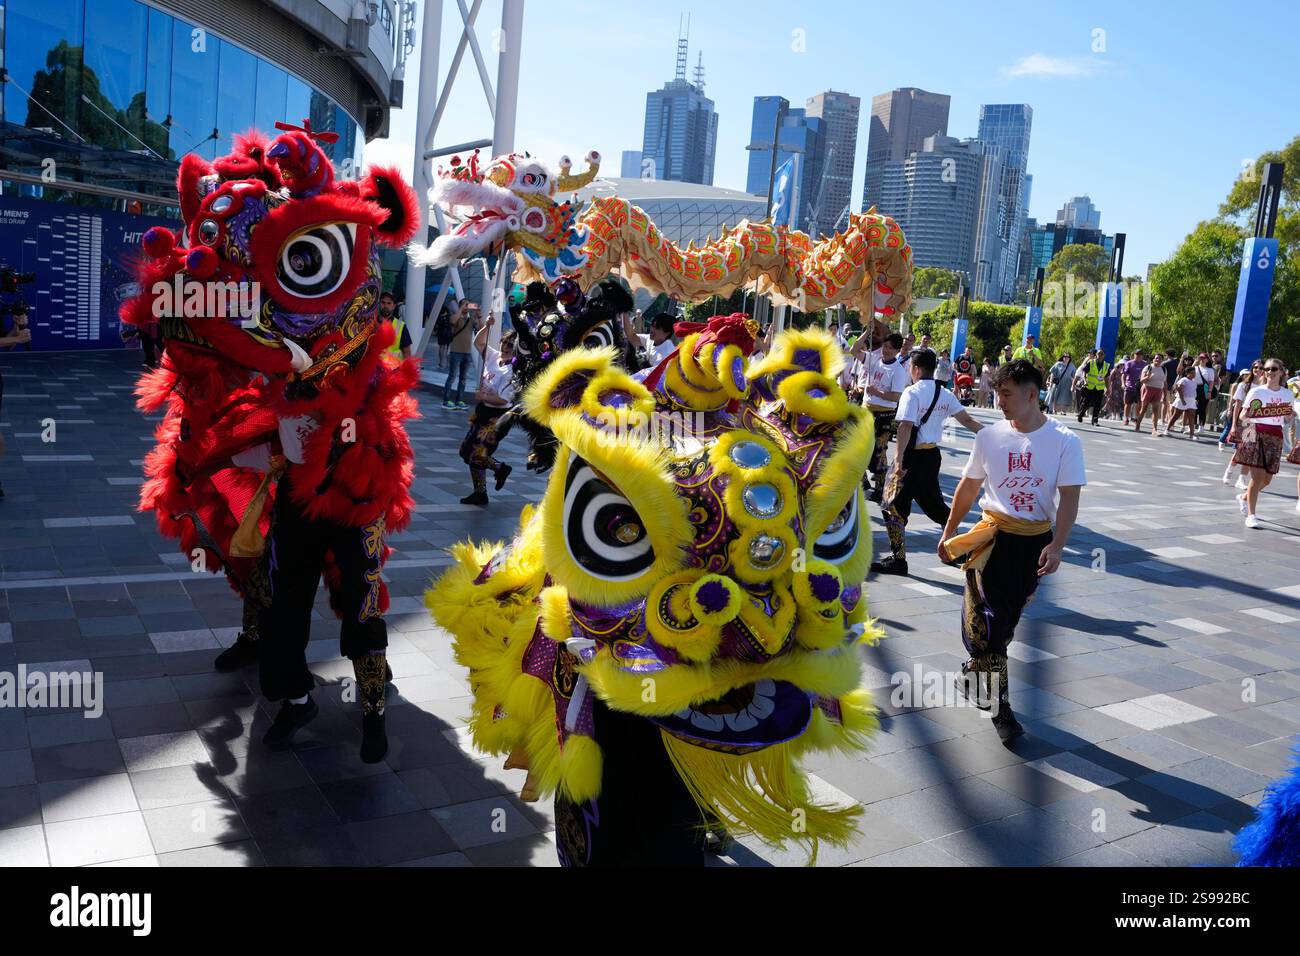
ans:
x=1022 y=499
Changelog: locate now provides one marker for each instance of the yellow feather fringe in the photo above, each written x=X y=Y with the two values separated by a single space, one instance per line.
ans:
x=761 y=794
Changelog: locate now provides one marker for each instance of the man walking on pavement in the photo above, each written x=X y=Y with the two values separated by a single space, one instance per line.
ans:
x=1023 y=464
x=924 y=407
x=1094 y=386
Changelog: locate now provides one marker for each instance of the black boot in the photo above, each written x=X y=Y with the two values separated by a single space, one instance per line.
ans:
x=246 y=650
x=1005 y=723
x=890 y=565
x=288 y=721
x=479 y=498
x=502 y=474
x=371 y=671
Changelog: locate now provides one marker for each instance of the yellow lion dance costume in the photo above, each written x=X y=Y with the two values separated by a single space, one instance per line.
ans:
x=678 y=621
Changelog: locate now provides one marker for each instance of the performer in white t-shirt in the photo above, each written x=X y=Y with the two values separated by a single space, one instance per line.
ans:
x=492 y=416
x=654 y=347
x=1266 y=410
x=1024 y=465
x=883 y=377
x=922 y=410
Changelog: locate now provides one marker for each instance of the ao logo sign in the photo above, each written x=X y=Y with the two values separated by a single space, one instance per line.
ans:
x=1264 y=261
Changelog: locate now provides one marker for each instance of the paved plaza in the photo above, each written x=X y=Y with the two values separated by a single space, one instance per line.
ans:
x=1157 y=675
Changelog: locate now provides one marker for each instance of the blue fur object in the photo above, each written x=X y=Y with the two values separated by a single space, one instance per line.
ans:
x=1273 y=839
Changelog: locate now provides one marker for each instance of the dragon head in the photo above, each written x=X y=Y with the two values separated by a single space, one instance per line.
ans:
x=697 y=559
x=276 y=265
x=511 y=201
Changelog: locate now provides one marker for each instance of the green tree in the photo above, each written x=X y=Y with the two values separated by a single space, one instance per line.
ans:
x=988 y=326
x=928 y=282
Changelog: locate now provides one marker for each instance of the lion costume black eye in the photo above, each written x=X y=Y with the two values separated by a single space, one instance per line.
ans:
x=599 y=337
x=840 y=538
x=602 y=529
x=316 y=261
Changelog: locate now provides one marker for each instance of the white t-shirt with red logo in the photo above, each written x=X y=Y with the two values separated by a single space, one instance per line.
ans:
x=1266 y=406
x=1021 y=471
x=888 y=377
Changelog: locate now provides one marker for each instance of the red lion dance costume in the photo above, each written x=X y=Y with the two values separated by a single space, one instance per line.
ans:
x=276 y=373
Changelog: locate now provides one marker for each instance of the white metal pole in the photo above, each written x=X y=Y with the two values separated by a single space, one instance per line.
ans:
x=421 y=180
x=510 y=40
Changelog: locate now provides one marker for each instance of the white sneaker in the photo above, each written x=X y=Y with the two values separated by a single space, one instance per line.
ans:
x=1252 y=521
x=1242 y=483
x=1242 y=504
x=1297 y=505
x=1220 y=446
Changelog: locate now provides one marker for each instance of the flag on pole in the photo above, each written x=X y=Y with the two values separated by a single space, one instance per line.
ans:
x=782 y=211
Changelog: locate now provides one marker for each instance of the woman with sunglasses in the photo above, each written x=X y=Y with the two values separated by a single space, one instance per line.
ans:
x=1266 y=410
x=1231 y=429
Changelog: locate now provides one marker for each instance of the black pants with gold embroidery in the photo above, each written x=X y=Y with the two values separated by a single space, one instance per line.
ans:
x=916 y=481
x=644 y=815
x=295 y=558
x=994 y=600
x=884 y=422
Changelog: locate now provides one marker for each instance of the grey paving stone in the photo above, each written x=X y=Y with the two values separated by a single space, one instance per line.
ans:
x=19 y=807
x=163 y=750
x=387 y=840
x=1165 y=846
x=69 y=761
x=186 y=826
x=23 y=846
x=173 y=786
x=16 y=768
x=239 y=853
x=98 y=839
x=63 y=800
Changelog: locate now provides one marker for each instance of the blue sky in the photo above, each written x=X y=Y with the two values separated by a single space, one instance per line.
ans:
x=1154 y=126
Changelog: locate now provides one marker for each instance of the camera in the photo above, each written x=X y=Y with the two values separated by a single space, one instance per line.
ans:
x=11 y=278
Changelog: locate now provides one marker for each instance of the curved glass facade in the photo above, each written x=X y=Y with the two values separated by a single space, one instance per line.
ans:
x=112 y=93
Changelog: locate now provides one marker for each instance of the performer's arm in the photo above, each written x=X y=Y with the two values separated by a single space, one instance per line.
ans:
x=902 y=437
x=963 y=499
x=969 y=420
x=629 y=329
x=480 y=340
x=1066 y=514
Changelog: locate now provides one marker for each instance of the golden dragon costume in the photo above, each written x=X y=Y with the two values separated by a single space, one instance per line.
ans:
x=513 y=202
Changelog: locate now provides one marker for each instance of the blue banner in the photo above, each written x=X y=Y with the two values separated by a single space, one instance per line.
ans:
x=958 y=337
x=1108 y=309
x=1250 y=316
x=81 y=257
x=1033 y=325
x=782 y=211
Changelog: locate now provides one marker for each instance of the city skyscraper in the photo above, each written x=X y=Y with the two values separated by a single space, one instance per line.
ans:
x=1080 y=213
x=800 y=135
x=630 y=167
x=681 y=128
x=945 y=196
x=1008 y=125
x=900 y=121
x=840 y=112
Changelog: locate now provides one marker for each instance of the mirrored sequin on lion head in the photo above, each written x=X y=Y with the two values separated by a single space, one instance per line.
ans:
x=268 y=230
x=698 y=560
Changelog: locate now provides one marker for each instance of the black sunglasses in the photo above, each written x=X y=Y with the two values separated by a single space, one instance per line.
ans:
x=1273 y=368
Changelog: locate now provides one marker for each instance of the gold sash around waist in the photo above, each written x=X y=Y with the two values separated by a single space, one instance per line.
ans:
x=977 y=543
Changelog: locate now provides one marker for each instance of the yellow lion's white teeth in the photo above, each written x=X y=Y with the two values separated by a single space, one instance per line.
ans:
x=741 y=721
x=706 y=721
